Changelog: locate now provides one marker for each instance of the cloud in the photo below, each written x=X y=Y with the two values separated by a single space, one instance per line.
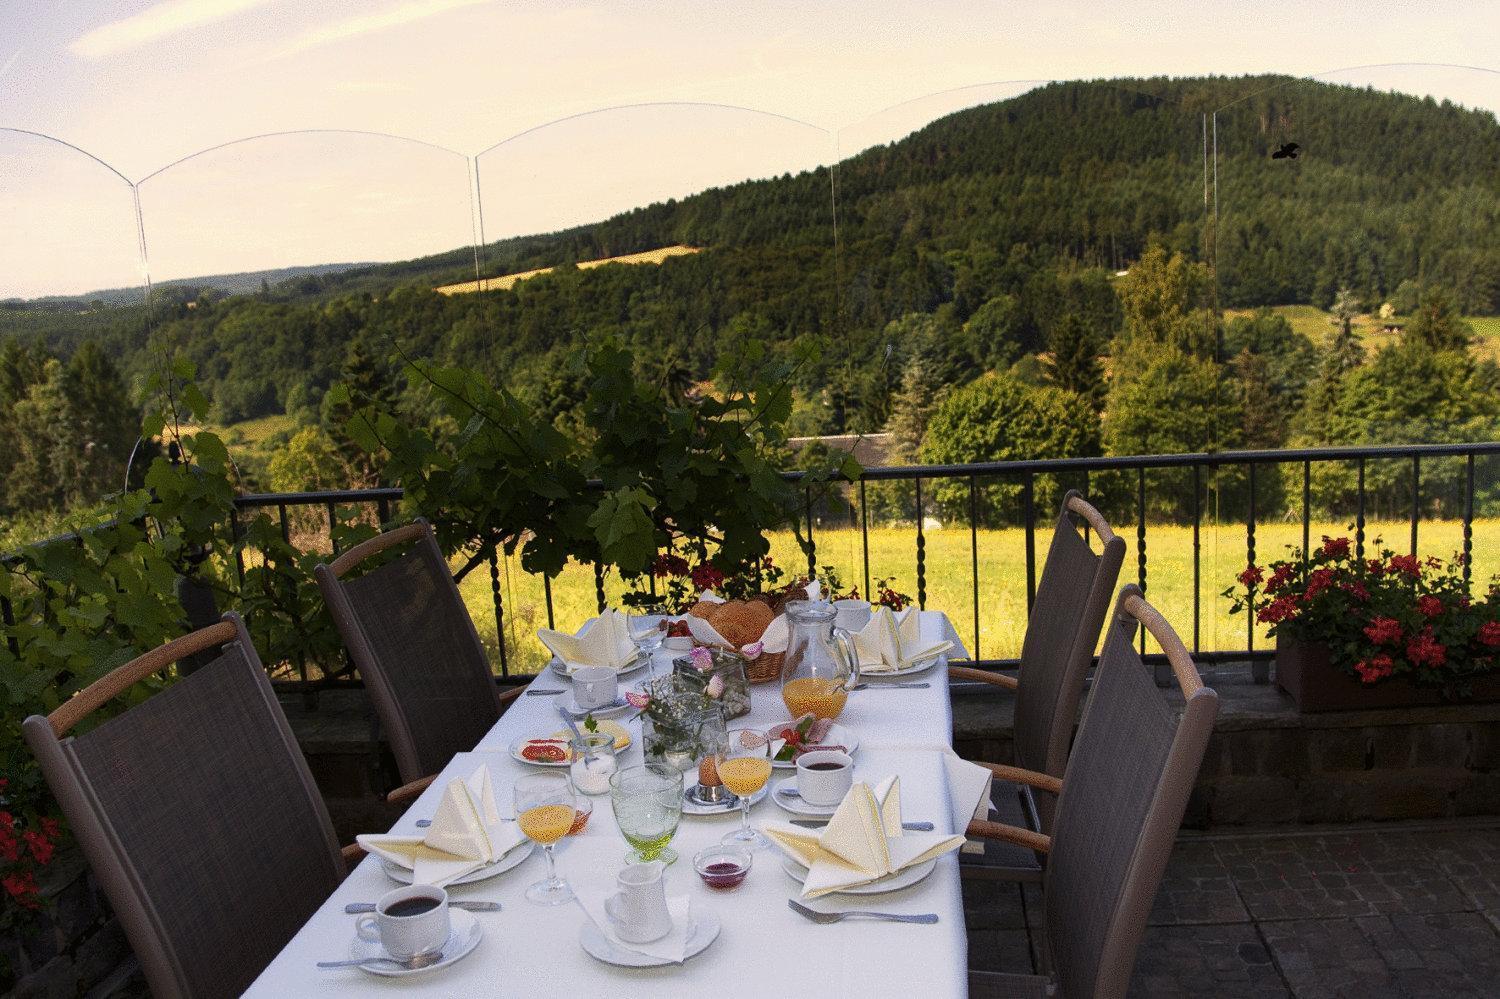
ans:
x=156 y=21
x=405 y=13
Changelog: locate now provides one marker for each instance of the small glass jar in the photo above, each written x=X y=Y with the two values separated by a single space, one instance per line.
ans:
x=672 y=726
x=593 y=763
x=729 y=667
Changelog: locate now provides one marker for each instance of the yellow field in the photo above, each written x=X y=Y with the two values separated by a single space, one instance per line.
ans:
x=1316 y=324
x=509 y=280
x=1002 y=575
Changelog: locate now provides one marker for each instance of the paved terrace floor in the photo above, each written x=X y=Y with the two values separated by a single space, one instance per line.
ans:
x=1391 y=909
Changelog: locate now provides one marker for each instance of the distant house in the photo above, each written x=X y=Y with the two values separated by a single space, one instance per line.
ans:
x=870 y=450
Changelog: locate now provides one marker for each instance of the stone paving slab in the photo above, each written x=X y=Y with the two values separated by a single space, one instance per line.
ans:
x=1395 y=910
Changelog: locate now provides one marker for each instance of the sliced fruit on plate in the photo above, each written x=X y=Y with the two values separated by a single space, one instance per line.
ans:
x=545 y=750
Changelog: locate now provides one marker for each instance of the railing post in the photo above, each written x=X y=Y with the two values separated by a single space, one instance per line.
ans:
x=864 y=533
x=1260 y=669
x=7 y=617
x=1416 y=498
x=921 y=553
x=1197 y=557
x=547 y=596
x=812 y=544
x=974 y=555
x=383 y=510
x=1028 y=511
x=599 y=586
x=1359 y=512
x=1468 y=517
x=1306 y=511
x=333 y=520
x=499 y=610
x=1162 y=672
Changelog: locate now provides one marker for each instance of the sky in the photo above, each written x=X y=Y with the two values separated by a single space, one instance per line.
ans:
x=141 y=85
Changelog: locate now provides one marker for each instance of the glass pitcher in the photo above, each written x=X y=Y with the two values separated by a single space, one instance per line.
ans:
x=820 y=664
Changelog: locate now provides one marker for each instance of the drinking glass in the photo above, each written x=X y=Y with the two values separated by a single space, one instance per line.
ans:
x=744 y=769
x=648 y=805
x=647 y=633
x=545 y=811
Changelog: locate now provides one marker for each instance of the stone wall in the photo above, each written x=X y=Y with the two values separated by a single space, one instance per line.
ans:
x=81 y=950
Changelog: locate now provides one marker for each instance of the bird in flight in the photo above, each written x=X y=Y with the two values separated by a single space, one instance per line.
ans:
x=1287 y=151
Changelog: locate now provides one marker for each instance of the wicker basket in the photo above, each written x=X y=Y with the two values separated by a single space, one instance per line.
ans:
x=765 y=667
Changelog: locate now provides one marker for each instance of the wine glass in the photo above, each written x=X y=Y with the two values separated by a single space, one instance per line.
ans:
x=744 y=767
x=545 y=811
x=647 y=633
x=648 y=806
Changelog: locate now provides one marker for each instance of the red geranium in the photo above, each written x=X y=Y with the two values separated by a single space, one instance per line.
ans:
x=1335 y=547
x=1425 y=650
x=1408 y=564
x=1375 y=668
x=1278 y=610
x=1489 y=633
x=668 y=564
x=1429 y=605
x=21 y=886
x=1384 y=631
x=706 y=577
x=1251 y=576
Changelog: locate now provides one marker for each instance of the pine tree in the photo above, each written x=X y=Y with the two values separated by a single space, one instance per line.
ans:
x=370 y=383
x=1074 y=361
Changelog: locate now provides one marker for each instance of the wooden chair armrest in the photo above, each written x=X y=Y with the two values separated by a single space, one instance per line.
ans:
x=1009 y=834
x=352 y=853
x=407 y=793
x=506 y=696
x=983 y=676
x=1042 y=782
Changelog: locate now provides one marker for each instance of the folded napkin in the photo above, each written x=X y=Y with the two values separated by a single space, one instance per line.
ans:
x=602 y=641
x=779 y=632
x=466 y=834
x=862 y=842
x=672 y=947
x=968 y=794
x=893 y=641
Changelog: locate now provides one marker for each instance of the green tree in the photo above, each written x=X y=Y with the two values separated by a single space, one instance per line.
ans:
x=1073 y=360
x=1437 y=324
x=1161 y=299
x=1176 y=403
x=999 y=418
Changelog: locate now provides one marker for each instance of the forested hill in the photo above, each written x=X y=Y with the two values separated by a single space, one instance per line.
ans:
x=1027 y=203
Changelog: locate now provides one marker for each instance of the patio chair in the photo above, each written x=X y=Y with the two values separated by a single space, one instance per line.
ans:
x=1119 y=806
x=196 y=811
x=1067 y=615
x=406 y=626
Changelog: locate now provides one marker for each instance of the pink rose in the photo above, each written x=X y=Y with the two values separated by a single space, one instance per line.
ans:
x=753 y=650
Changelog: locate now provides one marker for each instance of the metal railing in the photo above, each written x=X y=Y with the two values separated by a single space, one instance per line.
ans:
x=1127 y=486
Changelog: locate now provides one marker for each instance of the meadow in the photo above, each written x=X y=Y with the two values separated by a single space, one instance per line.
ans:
x=1002 y=578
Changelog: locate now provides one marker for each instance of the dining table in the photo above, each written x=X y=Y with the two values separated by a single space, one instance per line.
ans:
x=763 y=949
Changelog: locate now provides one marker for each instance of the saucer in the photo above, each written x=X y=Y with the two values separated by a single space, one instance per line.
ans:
x=703 y=929
x=463 y=936
x=619 y=707
x=920 y=666
x=796 y=805
x=692 y=807
x=904 y=878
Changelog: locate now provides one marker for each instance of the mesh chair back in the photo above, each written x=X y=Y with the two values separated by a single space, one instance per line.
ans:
x=1127 y=783
x=1067 y=614
x=405 y=624
x=198 y=815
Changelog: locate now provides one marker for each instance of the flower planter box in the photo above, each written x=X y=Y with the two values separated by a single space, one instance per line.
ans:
x=1304 y=670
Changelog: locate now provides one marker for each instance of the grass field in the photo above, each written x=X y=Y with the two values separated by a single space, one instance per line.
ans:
x=1315 y=324
x=1002 y=578
x=505 y=281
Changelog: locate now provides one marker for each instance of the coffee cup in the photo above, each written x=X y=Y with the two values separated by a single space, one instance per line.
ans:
x=824 y=776
x=595 y=687
x=639 y=909
x=408 y=921
x=852 y=615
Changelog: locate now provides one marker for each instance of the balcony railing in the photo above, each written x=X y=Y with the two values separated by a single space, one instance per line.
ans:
x=1234 y=479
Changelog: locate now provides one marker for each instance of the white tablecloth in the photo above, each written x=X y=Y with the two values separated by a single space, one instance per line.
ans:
x=764 y=948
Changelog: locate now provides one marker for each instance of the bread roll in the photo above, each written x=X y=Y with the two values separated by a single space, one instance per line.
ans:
x=741 y=621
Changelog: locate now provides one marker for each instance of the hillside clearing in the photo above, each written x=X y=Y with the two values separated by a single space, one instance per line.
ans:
x=506 y=281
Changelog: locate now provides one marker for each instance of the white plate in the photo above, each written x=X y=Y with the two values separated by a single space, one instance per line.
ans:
x=515 y=754
x=891 y=882
x=920 y=666
x=512 y=859
x=702 y=931
x=796 y=805
x=838 y=735
x=463 y=936
x=562 y=669
x=691 y=808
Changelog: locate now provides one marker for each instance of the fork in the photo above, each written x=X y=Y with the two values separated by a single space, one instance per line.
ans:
x=837 y=917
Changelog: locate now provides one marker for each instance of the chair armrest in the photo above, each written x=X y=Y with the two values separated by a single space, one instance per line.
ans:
x=510 y=695
x=1042 y=782
x=983 y=676
x=352 y=853
x=979 y=829
x=407 y=793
